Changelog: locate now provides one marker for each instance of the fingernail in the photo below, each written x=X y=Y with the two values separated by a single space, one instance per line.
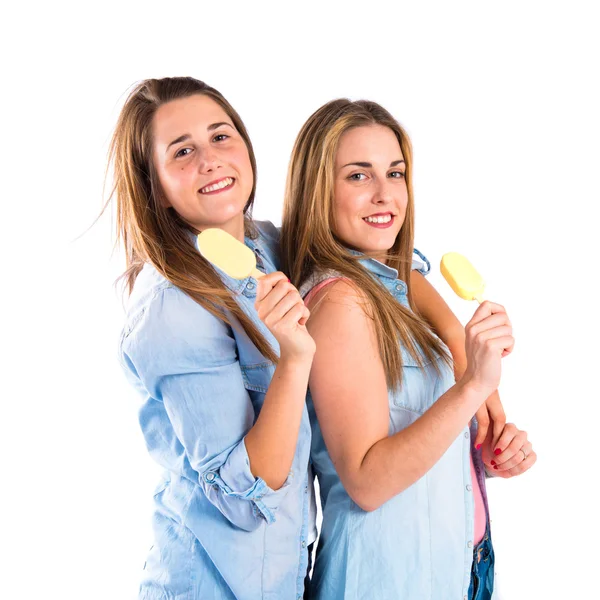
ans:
x=493 y=463
x=497 y=451
x=478 y=447
x=289 y=281
x=495 y=467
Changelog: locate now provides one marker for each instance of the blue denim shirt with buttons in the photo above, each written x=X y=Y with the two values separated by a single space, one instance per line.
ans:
x=220 y=532
x=419 y=544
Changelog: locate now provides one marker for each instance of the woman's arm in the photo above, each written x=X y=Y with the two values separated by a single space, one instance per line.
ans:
x=349 y=390
x=271 y=443
x=197 y=412
x=432 y=307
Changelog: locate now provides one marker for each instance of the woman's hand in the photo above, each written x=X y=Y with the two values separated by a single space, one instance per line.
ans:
x=488 y=339
x=512 y=455
x=281 y=309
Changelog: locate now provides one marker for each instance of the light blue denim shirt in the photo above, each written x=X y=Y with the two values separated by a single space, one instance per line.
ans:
x=220 y=532
x=419 y=544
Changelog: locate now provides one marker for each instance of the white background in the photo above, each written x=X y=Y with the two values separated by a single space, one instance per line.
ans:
x=501 y=101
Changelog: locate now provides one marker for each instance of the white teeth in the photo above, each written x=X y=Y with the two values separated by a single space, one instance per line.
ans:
x=217 y=186
x=383 y=219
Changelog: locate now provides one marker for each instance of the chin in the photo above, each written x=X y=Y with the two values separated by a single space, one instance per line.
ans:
x=228 y=213
x=384 y=245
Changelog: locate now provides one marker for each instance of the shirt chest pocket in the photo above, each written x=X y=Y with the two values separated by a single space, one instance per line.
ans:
x=257 y=371
x=257 y=379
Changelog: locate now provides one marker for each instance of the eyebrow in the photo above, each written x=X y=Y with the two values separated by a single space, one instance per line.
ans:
x=217 y=125
x=187 y=136
x=181 y=138
x=368 y=165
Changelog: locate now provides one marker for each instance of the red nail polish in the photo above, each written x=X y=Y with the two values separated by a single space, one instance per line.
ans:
x=478 y=447
x=493 y=463
x=497 y=451
x=289 y=281
x=495 y=467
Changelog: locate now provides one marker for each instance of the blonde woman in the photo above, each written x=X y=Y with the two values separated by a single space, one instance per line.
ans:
x=221 y=365
x=402 y=484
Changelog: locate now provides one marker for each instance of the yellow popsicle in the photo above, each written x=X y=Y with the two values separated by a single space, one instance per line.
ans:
x=227 y=253
x=462 y=276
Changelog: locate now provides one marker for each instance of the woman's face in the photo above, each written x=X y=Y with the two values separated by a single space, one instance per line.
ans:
x=370 y=194
x=203 y=164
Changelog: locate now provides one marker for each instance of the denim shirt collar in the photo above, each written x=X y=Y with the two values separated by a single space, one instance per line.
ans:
x=388 y=275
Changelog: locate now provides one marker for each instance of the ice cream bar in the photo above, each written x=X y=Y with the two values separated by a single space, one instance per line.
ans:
x=227 y=253
x=462 y=276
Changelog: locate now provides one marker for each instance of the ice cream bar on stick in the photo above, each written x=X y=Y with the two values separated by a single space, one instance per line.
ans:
x=227 y=253
x=462 y=276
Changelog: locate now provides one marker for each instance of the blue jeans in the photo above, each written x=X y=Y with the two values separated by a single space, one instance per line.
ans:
x=482 y=571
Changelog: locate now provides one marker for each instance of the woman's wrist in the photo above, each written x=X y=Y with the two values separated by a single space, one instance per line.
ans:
x=295 y=362
x=473 y=391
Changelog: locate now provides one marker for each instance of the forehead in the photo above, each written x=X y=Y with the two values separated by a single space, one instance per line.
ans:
x=368 y=143
x=186 y=115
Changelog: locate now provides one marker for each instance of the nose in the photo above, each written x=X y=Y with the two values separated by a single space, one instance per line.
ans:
x=208 y=160
x=382 y=193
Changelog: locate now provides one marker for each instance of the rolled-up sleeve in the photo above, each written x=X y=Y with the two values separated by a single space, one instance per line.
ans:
x=420 y=262
x=186 y=359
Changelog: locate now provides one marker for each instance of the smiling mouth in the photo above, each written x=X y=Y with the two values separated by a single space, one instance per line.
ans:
x=219 y=186
x=380 y=221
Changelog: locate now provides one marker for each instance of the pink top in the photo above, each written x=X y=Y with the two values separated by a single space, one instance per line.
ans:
x=477 y=496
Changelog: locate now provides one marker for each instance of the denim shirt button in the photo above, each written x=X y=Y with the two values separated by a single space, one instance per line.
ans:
x=399 y=287
x=210 y=477
x=303 y=544
x=469 y=488
x=250 y=285
x=470 y=544
x=466 y=435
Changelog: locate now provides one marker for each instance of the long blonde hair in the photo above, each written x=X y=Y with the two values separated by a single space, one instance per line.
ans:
x=151 y=232
x=308 y=242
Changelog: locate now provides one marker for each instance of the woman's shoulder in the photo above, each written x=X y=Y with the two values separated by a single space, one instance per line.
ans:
x=167 y=333
x=338 y=311
x=420 y=262
x=148 y=283
x=268 y=238
x=268 y=231
x=317 y=278
x=332 y=291
x=158 y=308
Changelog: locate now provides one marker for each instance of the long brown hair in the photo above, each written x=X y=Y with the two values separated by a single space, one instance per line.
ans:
x=308 y=242
x=150 y=231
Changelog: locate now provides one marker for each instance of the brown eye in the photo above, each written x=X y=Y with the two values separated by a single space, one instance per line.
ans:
x=182 y=152
x=356 y=176
x=397 y=174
